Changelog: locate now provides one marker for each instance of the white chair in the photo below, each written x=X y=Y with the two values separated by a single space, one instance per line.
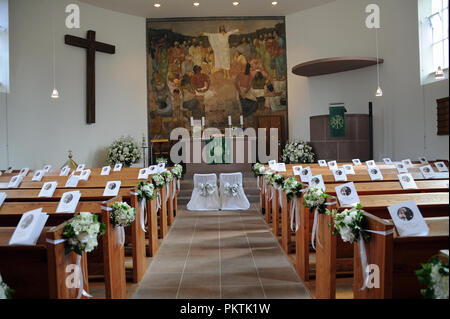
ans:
x=232 y=192
x=205 y=196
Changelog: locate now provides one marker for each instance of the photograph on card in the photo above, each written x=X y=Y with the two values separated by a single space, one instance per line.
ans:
x=408 y=219
x=347 y=194
x=317 y=181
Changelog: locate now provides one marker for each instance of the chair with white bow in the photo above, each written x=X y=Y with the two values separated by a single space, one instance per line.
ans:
x=232 y=192
x=205 y=196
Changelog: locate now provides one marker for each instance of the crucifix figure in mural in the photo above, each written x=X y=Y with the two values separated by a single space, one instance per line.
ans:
x=221 y=47
x=91 y=47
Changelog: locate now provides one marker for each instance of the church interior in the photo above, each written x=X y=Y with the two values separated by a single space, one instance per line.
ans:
x=224 y=150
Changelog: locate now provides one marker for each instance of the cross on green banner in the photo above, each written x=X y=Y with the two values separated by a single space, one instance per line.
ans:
x=337 y=120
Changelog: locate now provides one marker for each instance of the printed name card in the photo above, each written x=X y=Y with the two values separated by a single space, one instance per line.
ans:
x=112 y=188
x=427 y=171
x=152 y=170
x=65 y=171
x=375 y=173
x=143 y=173
x=347 y=194
x=317 y=181
x=356 y=162
x=15 y=181
x=80 y=168
x=72 y=181
x=272 y=164
x=323 y=163
x=371 y=163
x=407 y=181
x=37 y=177
x=47 y=168
x=423 y=160
x=69 y=202
x=306 y=174
x=339 y=175
x=84 y=176
x=2 y=198
x=48 y=189
x=408 y=220
x=297 y=170
x=105 y=171
x=387 y=161
x=401 y=168
x=407 y=163
x=162 y=168
x=349 y=169
x=29 y=228
x=441 y=166
x=332 y=165
x=118 y=167
x=281 y=167
x=24 y=171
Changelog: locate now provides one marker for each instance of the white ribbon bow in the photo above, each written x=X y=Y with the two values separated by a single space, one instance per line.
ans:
x=258 y=184
x=158 y=201
x=120 y=236
x=271 y=192
x=167 y=192
x=315 y=229
x=232 y=189
x=207 y=189
x=174 y=189
x=280 y=197
x=81 y=291
x=363 y=255
x=294 y=214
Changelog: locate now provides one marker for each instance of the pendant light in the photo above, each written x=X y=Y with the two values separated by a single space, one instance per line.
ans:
x=55 y=93
x=379 y=92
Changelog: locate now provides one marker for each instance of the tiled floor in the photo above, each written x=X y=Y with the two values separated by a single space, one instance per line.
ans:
x=229 y=255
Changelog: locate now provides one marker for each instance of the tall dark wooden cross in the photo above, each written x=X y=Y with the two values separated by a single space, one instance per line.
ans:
x=91 y=47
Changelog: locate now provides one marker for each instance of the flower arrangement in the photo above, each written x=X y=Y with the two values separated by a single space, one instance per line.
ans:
x=232 y=189
x=82 y=233
x=168 y=176
x=122 y=214
x=277 y=180
x=146 y=190
x=125 y=151
x=177 y=171
x=158 y=180
x=161 y=160
x=5 y=291
x=434 y=275
x=292 y=187
x=258 y=169
x=350 y=224
x=298 y=152
x=207 y=189
x=268 y=176
x=315 y=197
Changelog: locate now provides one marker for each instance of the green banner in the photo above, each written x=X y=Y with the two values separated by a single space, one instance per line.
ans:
x=337 y=121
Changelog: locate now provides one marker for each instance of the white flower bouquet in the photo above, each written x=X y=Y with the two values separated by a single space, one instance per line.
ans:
x=434 y=275
x=258 y=169
x=146 y=190
x=177 y=171
x=314 y=197
x=125 y=151
x=298 y=152
x=292 y=187
x=162 y=160
x=5 y=291
x=82 y=233
x=122 y=214
x=168 y=176
x=158 y=180
x=268 y=176
x=350 y=224
x=277 y=180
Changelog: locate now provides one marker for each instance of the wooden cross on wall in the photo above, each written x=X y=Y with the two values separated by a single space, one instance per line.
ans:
x=91 y=47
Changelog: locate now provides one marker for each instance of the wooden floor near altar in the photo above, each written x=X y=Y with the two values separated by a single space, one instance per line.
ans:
x=229 y=255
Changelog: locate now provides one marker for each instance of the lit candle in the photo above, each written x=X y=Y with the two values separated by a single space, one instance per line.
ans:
x=242 y=120
x=203 y=121
x=192 y=121
x=229 y=121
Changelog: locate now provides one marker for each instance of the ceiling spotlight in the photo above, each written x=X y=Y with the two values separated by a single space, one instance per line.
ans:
x=274 y=3
x=196 y=4
x=235 y=3
x=157 y=5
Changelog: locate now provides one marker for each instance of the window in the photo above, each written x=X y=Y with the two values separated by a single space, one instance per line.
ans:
x=433 y=33
x=4 y=47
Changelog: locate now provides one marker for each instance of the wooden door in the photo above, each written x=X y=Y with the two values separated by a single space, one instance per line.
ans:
x=273 y=121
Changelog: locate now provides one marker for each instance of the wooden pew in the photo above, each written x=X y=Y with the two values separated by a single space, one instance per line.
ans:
x=109 y=257
x=39 y=272
x=430 y=205
x=397 y=258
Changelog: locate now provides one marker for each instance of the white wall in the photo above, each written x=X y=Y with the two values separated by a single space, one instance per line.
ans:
x=42 y=130
x=405 y=117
